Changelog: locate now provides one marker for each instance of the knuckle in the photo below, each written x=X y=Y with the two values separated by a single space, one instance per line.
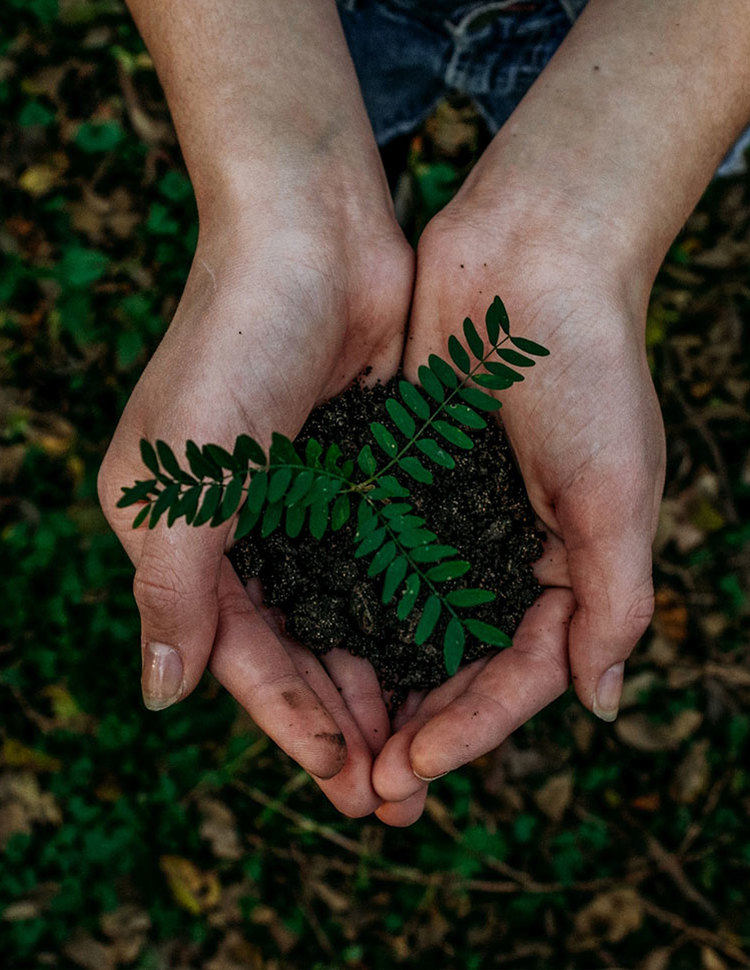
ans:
x=158 y=592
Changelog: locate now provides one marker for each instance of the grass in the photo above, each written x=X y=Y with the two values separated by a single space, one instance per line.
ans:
x=185 y=839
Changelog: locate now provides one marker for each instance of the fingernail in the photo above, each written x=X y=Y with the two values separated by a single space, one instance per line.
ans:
x=161 y=680
x=608 y=692
x=434 y=777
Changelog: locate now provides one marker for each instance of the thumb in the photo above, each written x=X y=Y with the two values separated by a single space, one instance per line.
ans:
x=176 y=590
x=609 y=558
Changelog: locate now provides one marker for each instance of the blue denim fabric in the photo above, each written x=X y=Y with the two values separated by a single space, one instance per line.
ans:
x=409 y=54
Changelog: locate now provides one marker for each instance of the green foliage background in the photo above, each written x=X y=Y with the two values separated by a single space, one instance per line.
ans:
x=184 y=839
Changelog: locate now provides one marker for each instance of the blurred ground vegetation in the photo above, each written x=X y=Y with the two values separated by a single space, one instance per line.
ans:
x=185 y=840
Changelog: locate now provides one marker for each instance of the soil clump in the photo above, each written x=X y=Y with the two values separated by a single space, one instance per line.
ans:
x=480 y=507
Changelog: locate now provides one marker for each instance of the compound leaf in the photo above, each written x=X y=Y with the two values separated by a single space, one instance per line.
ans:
x=389 y=487
x=411 y=538
x=502 y=370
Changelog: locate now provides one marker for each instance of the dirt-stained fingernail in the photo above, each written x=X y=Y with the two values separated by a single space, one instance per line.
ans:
x=608 y=692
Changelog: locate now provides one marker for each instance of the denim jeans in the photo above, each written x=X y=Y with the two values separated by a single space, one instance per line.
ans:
x=409 y=54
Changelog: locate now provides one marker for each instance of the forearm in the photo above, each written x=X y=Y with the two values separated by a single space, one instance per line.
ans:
x=624 y=128
x=264 y=97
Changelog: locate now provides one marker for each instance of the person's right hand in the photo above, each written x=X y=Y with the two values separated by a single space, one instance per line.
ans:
x=270 y=324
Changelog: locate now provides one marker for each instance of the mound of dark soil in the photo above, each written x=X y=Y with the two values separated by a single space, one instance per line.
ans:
x=480 y=507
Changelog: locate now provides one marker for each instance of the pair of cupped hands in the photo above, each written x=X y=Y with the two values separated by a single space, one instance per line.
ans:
x=279 y=314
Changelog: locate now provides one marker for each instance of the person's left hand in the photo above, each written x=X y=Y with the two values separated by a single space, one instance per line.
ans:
x=587 y=433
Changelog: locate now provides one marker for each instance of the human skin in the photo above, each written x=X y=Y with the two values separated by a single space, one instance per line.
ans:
x=567 y=215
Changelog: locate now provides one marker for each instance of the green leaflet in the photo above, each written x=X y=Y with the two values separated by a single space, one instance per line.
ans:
x=400 y=417
x=199 y=466
x=247 y=451
x=384 y=438
x=409 y=597
x=476 y=345
x=366 y=461
x=295 y=520
x=431 y=384
x=469 y=597
x=340 y=512
x=148 y=456
x=278 y=484
x=428 y=619
x=453 y=645
x=414 y=467
x=246 y=521
x=232 y=497
x=394 y=576
x=382 y=559
x=488 y=633
x=513 y=357
x=414 y=400
x=443 y=371
x=430 y=447
x=529 y=346
x=458 y=355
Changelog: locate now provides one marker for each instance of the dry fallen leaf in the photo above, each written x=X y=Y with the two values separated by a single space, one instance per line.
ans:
x=692 y=775
x=640 y=732
x=609 y=917
x=555 y=796
x=192 y=888
x=219 y=828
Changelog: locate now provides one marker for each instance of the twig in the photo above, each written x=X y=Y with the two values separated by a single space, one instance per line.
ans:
x=697 y=934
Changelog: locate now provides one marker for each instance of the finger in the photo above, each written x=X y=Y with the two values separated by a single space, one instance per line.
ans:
x=393 y=776
x=608 y=543
x=551 y=568
x=402 y=814
x=473 y=717
x=350 y=791
x=176 y=589
x=360 y=691
x=249 y=660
